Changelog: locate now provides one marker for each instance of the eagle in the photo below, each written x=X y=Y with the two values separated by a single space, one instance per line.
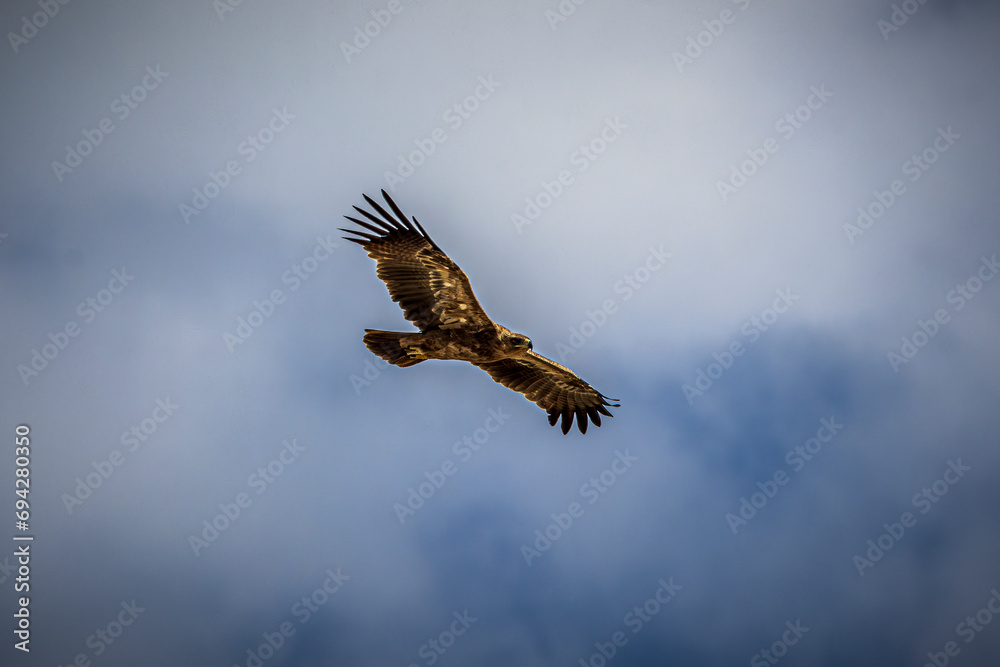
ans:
x=437 y=297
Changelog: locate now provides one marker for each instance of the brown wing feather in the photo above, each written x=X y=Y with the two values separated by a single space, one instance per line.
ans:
x=430 y=288
x=555 y=388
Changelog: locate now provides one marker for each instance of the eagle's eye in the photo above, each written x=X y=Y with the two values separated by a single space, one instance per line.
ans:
x=529 y=344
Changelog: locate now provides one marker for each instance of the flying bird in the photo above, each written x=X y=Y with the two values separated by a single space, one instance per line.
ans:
x=436 y=296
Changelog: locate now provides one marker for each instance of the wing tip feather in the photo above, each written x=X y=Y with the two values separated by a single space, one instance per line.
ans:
x=397 y=222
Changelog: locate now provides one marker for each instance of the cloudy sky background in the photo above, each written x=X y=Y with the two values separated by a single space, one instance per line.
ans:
x=363 y=446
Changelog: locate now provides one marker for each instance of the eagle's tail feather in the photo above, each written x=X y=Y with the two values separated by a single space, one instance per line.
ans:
x=386 y=345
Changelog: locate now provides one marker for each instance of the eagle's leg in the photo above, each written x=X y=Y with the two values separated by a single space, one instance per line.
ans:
x=392 y=346
x=413 y=347
x=416 y=352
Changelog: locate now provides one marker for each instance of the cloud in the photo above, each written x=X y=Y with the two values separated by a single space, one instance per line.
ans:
x=290 y=470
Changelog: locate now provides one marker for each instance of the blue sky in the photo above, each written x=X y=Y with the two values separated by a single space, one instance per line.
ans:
x=768 y=228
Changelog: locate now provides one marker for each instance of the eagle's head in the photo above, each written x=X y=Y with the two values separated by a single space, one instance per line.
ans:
x=515 y=341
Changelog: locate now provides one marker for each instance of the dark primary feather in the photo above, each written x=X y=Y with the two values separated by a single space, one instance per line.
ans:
x=430 y=288
x=555 y=388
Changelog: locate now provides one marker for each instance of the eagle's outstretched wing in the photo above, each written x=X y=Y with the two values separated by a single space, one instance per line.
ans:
x=555 y=388
x=430 y=288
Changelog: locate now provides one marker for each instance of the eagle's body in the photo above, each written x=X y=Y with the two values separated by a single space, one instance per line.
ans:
x=489 y=343
x=437 y=297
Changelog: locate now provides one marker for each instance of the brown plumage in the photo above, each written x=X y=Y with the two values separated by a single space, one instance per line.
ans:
x=437 y=297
